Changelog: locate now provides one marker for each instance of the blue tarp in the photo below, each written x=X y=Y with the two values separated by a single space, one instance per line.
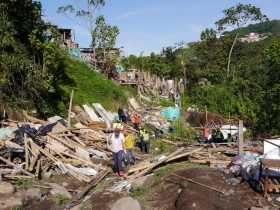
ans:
x=119 y=68
x=171 y=113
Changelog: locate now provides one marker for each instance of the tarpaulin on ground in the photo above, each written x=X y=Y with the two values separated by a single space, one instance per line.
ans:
x=171 y=113
x=6 y=132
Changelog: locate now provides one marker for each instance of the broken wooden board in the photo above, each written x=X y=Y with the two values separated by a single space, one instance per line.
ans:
x=104 y=114
x=89 y=110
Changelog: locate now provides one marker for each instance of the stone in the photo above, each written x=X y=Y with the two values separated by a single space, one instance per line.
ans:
x=139 y=182
x=59 y=190
x=33 y=193
x=126 y=203
x=10 y=202
x=6 y=188
x=65 y=184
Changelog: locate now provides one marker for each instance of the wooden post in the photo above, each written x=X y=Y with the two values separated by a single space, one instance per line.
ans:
x=240 y=137
x=70 y=108
x=206 y=115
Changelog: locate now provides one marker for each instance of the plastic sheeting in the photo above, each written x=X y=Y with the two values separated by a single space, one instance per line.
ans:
x=171 y=113
x=247 y=165
x=6 y=132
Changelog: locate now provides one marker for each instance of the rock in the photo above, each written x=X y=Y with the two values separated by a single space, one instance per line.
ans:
x=229 y=192
x=10 y=202
x=78 y=207
x=65 y=184
x=59 y=190
x=139 y=182
x=233 y=181
x=33 y=193
x=6 y=188
x=126 y=203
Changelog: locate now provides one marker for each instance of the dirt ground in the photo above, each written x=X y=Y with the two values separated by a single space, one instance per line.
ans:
x=182 y=195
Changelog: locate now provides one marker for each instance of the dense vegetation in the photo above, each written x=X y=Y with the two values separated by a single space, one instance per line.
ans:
x=36 y=73
x=252 y=89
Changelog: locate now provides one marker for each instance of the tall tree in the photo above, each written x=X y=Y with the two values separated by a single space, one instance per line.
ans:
x=236 y=17
x=104 y=38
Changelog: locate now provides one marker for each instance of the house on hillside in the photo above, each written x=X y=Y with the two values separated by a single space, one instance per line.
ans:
x=253 y=37
x=87 y=55
x=67 y=38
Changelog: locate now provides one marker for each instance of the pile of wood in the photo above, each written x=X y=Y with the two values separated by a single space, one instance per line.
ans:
x=80 y=152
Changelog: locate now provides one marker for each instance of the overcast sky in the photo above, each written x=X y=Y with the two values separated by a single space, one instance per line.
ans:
x=149 y=25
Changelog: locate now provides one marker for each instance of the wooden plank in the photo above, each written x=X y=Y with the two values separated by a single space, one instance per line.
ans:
x=15 y=166
x=198 y=183
x=240 y=137
x=77 y=199
x=61 y=141
x=269 y=163
x=70 y=108
x=26 y=148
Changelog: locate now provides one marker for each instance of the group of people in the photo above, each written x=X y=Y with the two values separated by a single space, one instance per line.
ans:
x=122 y=143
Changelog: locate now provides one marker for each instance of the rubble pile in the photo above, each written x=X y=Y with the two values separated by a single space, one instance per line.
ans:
x=37 y=148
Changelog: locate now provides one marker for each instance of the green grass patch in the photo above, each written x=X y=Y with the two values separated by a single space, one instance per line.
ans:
x=92 y=87
x=23 y=183
x=183 y=131
x=61 y=199
x=165 y=102
x=159 y=147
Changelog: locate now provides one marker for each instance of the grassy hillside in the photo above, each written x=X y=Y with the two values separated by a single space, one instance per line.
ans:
x=90 y=87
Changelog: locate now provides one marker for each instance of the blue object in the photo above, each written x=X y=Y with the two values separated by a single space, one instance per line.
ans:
x=119 y=68
x=75 y=52
x=171 y=113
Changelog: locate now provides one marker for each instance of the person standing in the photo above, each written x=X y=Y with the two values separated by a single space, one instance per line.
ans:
x=117 y=142
x=145 y=142
x=128 y=145
x=136 y=120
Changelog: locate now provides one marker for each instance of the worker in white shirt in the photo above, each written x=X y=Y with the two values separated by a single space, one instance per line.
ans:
x=116 y=145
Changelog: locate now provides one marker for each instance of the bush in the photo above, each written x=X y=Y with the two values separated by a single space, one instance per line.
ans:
x=183 y=131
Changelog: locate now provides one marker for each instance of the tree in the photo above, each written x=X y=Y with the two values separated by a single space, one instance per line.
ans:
x=208 y=34
x=104 y=38
x=236 y=17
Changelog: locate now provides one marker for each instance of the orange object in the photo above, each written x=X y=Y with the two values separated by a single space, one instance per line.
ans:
x=205 y=132
x=136 y=119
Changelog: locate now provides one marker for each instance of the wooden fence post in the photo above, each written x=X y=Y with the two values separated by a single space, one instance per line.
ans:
x=70 y=108
x=240 y=137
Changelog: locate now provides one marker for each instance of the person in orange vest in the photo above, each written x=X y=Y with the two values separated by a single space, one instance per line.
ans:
x=136 y=120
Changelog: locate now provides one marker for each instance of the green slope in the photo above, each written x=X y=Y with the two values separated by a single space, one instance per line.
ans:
x=90 y=87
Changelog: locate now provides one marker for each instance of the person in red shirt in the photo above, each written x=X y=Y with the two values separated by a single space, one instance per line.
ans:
x=136 y=120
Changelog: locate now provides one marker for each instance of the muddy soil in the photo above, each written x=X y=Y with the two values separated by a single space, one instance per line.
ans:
x=177 y=194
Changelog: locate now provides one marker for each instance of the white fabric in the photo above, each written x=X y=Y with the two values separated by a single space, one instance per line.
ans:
x=117 y=142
